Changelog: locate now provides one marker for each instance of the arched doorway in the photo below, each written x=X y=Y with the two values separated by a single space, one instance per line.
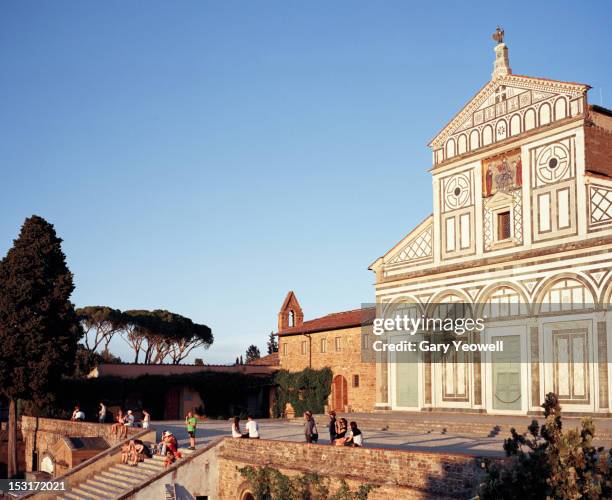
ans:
x=339 y=393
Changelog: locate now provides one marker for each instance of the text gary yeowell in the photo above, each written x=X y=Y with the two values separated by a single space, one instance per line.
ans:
x=424 y=324
x=426 y=346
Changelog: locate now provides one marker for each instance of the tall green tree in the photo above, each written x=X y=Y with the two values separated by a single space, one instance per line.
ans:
x=39 y=329
x=252 y=353
x=272 y=343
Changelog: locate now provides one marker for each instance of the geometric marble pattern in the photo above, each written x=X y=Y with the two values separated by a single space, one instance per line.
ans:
x=601 y=204
x=417 y=248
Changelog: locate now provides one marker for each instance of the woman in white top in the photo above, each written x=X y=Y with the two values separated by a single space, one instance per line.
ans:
x=146 y=419
x=355 y=436
x=236 y=429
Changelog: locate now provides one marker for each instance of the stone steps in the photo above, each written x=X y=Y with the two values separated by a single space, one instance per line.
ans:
x=118 y=479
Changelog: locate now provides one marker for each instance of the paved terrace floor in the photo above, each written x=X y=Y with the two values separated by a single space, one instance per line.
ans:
x=434 y=431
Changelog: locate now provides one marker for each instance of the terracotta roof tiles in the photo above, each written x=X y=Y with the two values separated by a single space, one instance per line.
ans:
x=334 y=321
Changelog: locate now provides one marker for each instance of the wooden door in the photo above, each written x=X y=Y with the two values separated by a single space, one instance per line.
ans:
x=339 y=393
x=172 y=404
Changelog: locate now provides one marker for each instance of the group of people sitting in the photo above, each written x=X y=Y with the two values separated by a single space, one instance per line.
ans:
x=168 y=448
x=341 y=435
x=125 y=420
x=134 y=451
x=252 y=428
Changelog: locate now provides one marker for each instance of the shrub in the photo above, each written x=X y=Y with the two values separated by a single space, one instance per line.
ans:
x=551 y=463
x=268 y=483
x=304 y=390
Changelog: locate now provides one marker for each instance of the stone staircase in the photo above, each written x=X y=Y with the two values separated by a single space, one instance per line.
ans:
x=117 y=480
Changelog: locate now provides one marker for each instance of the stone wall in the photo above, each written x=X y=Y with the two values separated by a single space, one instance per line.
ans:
x=345 y=362
x=598 y=147
x=4 y=450
x=41 y=435
x=398 y=474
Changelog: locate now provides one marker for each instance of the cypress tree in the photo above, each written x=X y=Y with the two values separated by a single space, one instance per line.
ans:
x=39 y=329
x=272 y=343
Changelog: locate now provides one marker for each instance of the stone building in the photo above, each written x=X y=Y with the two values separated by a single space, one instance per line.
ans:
x=520 y=234
x=333 y=341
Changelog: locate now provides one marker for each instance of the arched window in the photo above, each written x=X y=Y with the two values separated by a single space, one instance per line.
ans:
x=530 y=119
x=504 y=302
x=291 y=318
x=487 y=135
x=462 y=144
x=560 y=109
x=474 y=139
x=450 y=148
x=545 y=114
x=515 y=125
x=566 y=295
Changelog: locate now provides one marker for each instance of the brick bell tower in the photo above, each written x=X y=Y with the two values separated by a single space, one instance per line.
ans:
x=290 y=314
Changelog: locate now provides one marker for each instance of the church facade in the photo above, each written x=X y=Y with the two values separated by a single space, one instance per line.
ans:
x=520 y=234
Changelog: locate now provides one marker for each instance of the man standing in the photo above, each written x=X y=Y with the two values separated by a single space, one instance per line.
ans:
x=332 y=426
x=252 y=427
x=102 y=413
x=310 y=428
x=191 y=422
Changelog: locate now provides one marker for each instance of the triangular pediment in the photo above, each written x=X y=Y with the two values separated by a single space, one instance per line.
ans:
x=504 y=96
x=415 y=246
x=499 y=199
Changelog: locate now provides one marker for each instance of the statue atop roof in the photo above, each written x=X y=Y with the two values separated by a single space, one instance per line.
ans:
x=498 y=36
x=501 y=66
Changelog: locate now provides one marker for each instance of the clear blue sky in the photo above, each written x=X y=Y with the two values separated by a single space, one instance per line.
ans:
x=207 y=157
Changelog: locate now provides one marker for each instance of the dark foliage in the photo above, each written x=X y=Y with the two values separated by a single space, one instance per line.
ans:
x=252 y=353
x=305 y=390
x=272 y=343
x=223 y=394
x=551 y=463
x=268 y=483
x=87 y=360
x=39 y=329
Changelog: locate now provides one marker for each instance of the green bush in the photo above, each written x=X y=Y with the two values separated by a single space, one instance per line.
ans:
x=548 y=462
x=307 y=390
x=268 y=483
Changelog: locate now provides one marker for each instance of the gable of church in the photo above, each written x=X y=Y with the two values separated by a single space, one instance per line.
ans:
x=504 y=108
x=415 y=247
